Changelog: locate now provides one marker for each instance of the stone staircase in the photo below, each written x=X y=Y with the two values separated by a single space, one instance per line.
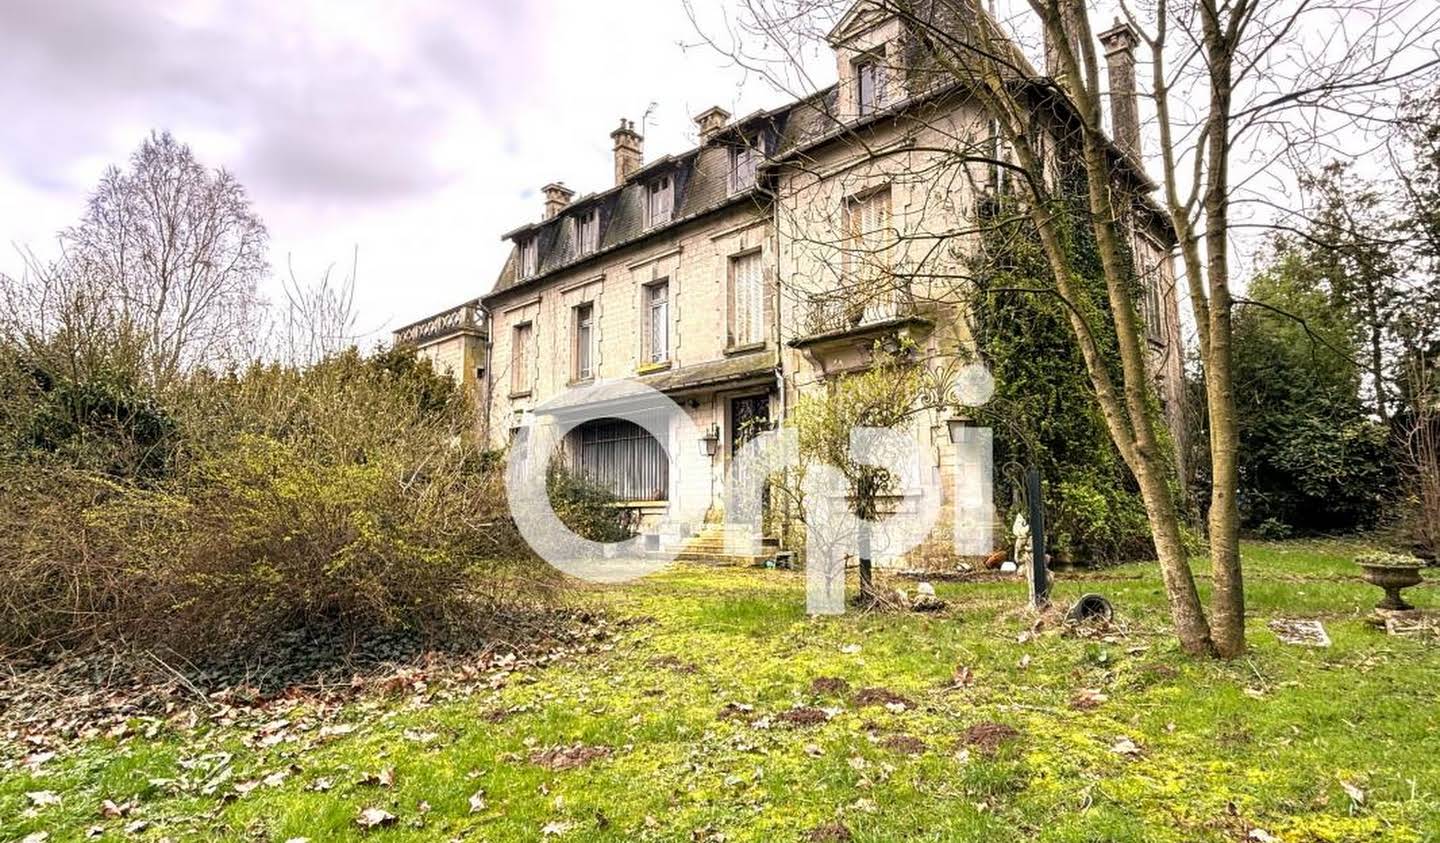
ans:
x=707 y=546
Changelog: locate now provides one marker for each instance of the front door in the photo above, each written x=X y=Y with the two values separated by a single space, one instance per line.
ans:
x=749 y=417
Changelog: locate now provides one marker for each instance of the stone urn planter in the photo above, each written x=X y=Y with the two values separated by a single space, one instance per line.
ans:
x=1393 y=573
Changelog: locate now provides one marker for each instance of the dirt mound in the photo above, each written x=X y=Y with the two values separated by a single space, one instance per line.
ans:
x=989 y=737
x=568 y=757
x=829 y=685
x=831 y=832
x=803 y=716
x=881 y=696
x=905 y=744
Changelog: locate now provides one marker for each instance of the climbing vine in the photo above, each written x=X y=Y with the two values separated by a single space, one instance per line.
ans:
x=1044 y=412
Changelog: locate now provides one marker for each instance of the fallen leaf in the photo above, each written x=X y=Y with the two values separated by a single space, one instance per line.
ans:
x=137 y=826
x=384 y=778
x=850 y=649
x=41 y=798
x=373 y=817
x=1356 y=794
x=36 y=837
x=556 y=828
x=1125 y=746
x=1260 y=835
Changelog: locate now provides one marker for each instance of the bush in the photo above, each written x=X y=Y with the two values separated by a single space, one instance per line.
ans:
x=589 y=510
x=346 y=497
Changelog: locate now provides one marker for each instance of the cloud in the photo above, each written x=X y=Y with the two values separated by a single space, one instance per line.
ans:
x=343 y=101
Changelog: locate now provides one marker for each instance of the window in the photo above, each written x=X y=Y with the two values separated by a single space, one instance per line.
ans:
x=587 y=232
x=584 y=342
x=1150 y=297
x=529 y=255
x=659 y=201
x=520 y=366
x=747 y=300
x=867 y=235
x=743 y=162
x=622 y=457
x=869 y=85
x=657 y=322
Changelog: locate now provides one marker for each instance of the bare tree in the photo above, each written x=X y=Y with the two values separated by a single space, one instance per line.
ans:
x=176 y=252
x=1244 y=93
x=318 y=319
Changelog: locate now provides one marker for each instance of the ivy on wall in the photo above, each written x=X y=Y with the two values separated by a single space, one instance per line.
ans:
x=1044 y=412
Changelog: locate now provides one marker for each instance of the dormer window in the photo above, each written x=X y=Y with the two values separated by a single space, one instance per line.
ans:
x=743 y=163
x=529 y=262
x=587 y=232
x=659 y=201
x=869 y=85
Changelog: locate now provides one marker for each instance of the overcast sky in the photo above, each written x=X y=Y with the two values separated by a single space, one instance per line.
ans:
x=417 y=132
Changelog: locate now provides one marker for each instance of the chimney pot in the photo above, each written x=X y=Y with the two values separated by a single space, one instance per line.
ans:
x=629 y=150
x=557 y=196
x=710 y=121
x=1119 y=42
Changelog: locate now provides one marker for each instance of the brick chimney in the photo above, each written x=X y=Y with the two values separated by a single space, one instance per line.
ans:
x=710 y=121
x=1120 y=42
x=557 y=196
x=629 y=150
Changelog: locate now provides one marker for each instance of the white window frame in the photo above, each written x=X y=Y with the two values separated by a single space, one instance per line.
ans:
x=747 y=299
x=870 y=64
x=867 y=220
x=528 y=257
x=657 y=316
x=583 y=321
x=659 y=201
x=587 y=231
x=744 y=162
x=522 y=338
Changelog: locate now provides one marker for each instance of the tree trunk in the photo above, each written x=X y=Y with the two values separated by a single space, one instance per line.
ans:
x=1191 y=627
x=1227 y=600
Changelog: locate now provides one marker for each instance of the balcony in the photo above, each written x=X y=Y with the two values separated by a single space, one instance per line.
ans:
x=839 y=316
x=465 y=318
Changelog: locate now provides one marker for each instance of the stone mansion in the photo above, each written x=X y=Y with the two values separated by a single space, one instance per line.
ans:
x=743 y=273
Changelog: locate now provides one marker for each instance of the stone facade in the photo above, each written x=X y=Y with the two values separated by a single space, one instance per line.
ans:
x=768 y=290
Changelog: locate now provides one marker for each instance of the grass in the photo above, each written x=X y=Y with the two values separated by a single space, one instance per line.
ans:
x=1283 y=740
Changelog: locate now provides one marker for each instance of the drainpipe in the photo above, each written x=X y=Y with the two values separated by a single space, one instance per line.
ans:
x=779 y=347
x=489 y=394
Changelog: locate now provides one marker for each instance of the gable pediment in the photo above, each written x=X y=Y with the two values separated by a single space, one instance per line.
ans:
x=861 y=18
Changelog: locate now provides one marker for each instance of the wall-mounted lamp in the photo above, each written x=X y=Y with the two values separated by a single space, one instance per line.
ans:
x=710 y=442
x=959 y=425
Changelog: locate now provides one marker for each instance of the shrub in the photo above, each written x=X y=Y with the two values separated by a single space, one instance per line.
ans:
x=346 y=497
x=589 y=510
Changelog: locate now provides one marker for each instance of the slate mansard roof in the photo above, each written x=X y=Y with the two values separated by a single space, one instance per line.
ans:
x=701 y=185
x=700 y=175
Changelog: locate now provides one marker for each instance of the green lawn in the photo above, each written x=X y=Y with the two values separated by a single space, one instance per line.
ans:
x=1303 y=744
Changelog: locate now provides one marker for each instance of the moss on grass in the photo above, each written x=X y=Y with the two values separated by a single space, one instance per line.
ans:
x=1279 y=740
